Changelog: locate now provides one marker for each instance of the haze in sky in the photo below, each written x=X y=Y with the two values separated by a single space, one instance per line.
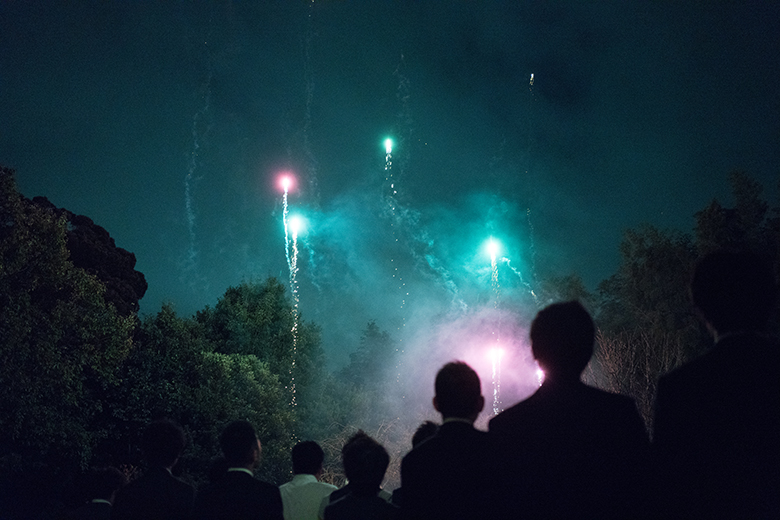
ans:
x=169 y=123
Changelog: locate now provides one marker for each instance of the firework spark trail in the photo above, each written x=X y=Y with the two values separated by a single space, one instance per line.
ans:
x=392 y=203
x=496 y=351
x=522 y=280
x=308 y=73
x=192 y=166
x=495 y=355
x=294 y=225
x=527 y=169
x=291 y=226
x=286 y=186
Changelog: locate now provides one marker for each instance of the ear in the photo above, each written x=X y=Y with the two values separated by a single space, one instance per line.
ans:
x=481 y=403
x=436 y=404
x=258 y=451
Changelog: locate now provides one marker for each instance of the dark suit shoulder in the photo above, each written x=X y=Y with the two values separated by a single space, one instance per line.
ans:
x=157 y=494
x=238 y=495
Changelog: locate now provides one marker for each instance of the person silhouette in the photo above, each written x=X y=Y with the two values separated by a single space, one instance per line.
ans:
x=303 y=495
x=237 y=495
x=569 y=450
x=365 y=463
x=447 y=475
x=425 y=431
x=716 y=431
x=157 y=494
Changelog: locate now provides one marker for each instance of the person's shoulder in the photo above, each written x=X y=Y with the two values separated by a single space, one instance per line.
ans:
x=604 y=395
x=507 y=419
x=324 y=487
x=263 y=486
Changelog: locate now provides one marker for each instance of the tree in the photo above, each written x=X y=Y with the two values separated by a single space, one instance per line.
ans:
x=60 y=341
x=375 y=354
x=745 y=226
x=257 y=318
x=647 y=325
x=566 y=288
x=92 y=249
x=174 y=372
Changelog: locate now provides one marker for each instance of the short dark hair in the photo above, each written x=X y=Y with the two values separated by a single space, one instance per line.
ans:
x=365 y=462
x=307 y=458
x=458 y=390
x=562 y=336
x=162 y=443
x=734 y=290
x=424 y=432
x=238 y=442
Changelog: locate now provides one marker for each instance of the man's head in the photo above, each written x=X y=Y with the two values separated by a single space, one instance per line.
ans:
x=162 y=443
x=307 y=458
x=240 y=444
x=734 y=291
x=424 y=432
x=562 y=337
x=458 y=391
x=365 y=462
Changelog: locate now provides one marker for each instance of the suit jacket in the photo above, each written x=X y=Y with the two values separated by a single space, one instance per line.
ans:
x=239 y=496
x=717 y=432
x=449 y=475
x=156 y=495
x=571 y=451
x=352 y=507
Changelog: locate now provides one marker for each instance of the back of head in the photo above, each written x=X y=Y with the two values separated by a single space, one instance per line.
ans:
x=162 y=443
x=458 y=391
x=365 y=462
x=562 y=336
x=734 y=290
x=307 y=458
x=238 y=442
x=423 y=432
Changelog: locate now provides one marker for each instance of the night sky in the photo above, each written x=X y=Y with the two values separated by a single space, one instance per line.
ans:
x=168 y=123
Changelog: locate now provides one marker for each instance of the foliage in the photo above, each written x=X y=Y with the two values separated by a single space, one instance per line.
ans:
x=174 y=372
x=92 y=249
x=565 y=288
x=60 y=342
x=647 y=325
x=369 y=363
x=257 y=319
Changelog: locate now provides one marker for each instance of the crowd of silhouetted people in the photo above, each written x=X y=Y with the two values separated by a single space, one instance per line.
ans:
x=567 y=451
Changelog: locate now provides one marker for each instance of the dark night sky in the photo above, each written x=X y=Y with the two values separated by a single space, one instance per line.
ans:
x=119 y=109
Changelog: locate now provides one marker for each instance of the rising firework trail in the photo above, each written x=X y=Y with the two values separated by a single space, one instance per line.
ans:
x=392 y=202
x=286 y=182
x=291 y=254
x=495 y=357
x=495 y=352
x=295 y=226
